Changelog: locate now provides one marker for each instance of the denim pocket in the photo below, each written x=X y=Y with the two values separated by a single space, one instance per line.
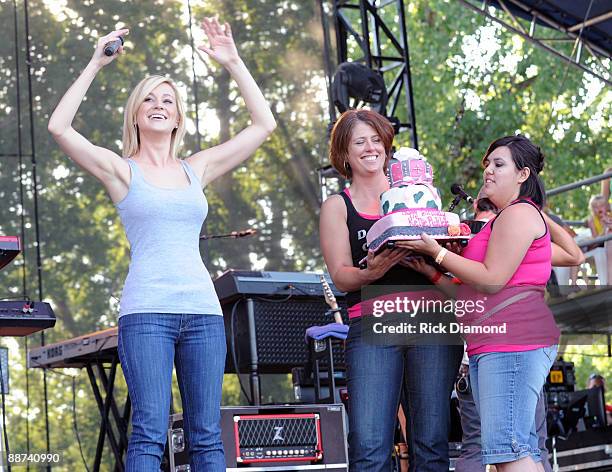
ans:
x=551 y=352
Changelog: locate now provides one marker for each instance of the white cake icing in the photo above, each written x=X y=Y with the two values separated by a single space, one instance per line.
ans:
x=409 y=196
x=411 y=180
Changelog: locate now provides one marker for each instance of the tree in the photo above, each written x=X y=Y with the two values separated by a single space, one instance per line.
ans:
x=473 y=82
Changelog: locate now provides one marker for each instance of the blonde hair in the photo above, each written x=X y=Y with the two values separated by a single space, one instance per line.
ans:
x=131 y=137
x=596 y=199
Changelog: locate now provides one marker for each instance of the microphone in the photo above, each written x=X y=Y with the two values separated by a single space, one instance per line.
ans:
x=113 y=46
x=234 y=234
x=456 y=189
x=244 y=233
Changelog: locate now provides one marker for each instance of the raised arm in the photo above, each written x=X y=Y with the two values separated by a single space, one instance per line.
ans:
x=336 y=250
x=216 y=161
x=100 y=162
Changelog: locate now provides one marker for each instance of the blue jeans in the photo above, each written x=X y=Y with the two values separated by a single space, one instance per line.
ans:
x=149 y=344
x=376 y=377
x=471 y=454
x=506 y=388
x=471 y=457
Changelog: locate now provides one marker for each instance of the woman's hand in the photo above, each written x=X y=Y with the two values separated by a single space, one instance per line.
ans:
x=419 y=264
x=426 y=245
x=99 y=59
x=454 y=246
x=379 y=264
x=222 y=47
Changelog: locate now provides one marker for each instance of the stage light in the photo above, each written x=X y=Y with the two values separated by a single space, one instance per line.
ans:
x=356 y=80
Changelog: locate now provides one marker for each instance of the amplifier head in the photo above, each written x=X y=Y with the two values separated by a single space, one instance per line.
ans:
x=276 y=438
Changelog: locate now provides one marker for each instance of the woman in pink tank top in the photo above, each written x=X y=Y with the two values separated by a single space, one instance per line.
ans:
x=512 y=337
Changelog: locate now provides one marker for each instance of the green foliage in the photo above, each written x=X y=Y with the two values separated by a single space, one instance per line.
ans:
x=462 y=102
x=475 y=81
x=588 y=360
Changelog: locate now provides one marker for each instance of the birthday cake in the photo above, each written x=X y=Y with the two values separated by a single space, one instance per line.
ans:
x=412 y=205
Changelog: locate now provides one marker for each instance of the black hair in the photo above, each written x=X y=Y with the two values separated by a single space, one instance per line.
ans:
x=484 y=204
x=524 y=154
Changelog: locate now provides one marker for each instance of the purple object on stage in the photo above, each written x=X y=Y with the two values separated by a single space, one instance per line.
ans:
x=335 y=330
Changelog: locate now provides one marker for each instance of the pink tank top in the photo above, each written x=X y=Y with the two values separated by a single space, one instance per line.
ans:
x=530 y=317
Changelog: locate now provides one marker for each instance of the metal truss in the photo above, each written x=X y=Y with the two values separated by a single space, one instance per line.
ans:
x=527 y=30
x=374 y=32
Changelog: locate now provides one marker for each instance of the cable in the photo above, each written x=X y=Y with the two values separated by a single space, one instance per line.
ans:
x=27 y=382
x=74 y=415
x=282 y=300
x=74 y=422
x=195 y=82
x=36 y=216
x=205 y=248
x=22 y=219
x=273 y=300
x=584 y=354
x=295 y=287
x=233 y=349
x=6 y=443
x=19 y=149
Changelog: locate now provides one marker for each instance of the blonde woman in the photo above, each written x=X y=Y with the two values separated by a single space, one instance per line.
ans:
x=169 y=311
x=600 y=224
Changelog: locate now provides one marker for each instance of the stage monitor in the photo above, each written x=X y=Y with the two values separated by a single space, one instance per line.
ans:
x=595 y=416
x=569 y=412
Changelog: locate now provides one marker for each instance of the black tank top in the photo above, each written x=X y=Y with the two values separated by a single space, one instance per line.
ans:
x=358 y=227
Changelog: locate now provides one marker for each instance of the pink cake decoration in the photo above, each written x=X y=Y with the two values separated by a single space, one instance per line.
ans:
x=412 y=205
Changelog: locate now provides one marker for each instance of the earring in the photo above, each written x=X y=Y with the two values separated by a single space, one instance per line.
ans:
x=347 y=167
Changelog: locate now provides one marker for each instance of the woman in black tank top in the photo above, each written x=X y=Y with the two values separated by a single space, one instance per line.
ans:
x=378 y=374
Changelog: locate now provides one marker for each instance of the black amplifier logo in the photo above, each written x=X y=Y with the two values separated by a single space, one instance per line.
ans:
x=278 y=438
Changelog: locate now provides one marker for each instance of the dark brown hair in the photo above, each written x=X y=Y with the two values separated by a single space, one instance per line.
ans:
x=341 y=137
x=484 y=204
x=524 y=154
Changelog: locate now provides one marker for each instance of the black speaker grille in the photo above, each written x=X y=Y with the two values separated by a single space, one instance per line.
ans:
x=280 y=329
x=268 y=432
